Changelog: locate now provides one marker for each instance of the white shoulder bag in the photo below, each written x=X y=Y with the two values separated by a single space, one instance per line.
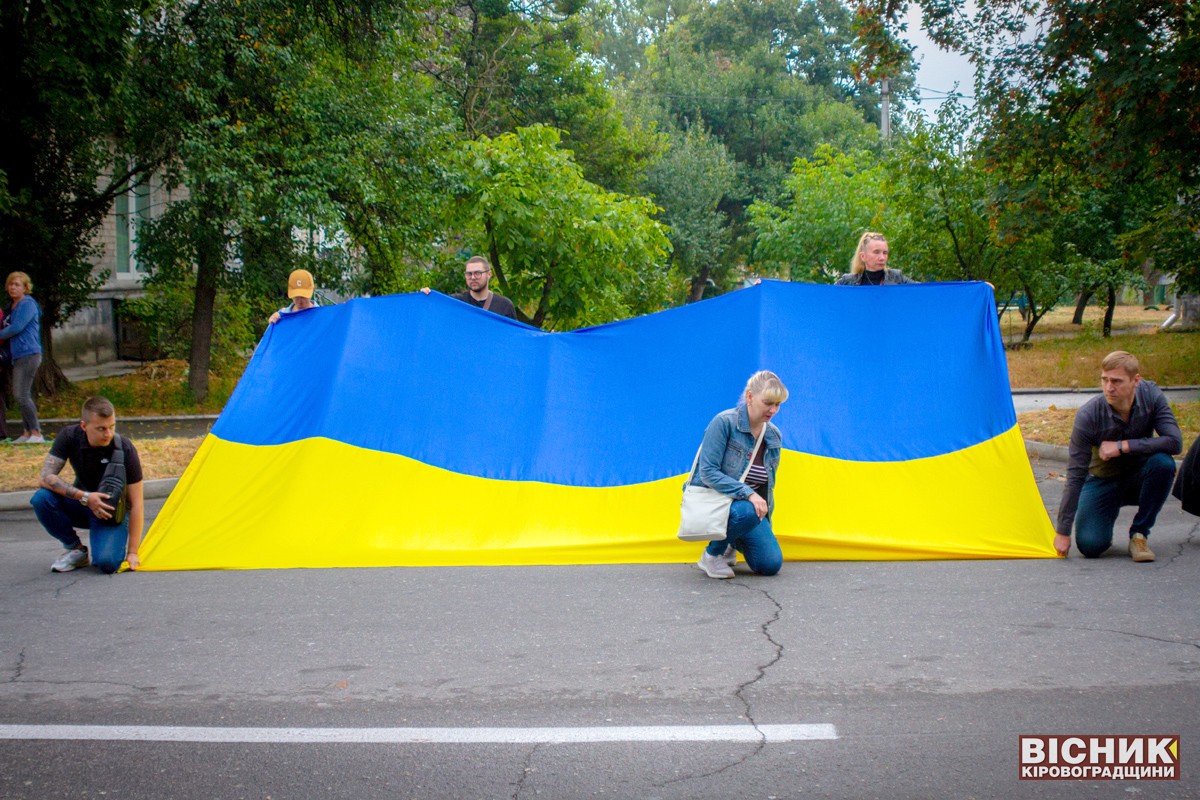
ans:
x=704 y=512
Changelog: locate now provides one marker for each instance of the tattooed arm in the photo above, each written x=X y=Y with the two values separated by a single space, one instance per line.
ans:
x=49 y=479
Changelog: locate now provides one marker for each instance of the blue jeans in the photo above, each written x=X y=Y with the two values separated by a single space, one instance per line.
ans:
x=60 y=516
x=751 y=537
x=1100 y=501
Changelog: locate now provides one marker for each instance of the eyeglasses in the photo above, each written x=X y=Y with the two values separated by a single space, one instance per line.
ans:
x=476 y=273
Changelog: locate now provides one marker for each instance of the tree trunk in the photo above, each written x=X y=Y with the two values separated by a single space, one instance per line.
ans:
x=50 y=379
x=1080 y=305
x=1033 y=315
x=698 y=284
x=209 y=263
x=1152 y=276
x=1030 y=322
x=502 y=282
x=539 y=316
x=1108 y=312
x=1189 y=310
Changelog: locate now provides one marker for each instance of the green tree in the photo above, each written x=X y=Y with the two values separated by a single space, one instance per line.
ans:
x=689 y=183
x=1106 y=91
x=943 y=192
x=517 y=64
x=566 y=251
x=769 y=81
x=283 y=115
x=73 y=136
x=831 y=200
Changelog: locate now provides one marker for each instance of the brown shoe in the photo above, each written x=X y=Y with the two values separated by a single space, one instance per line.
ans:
x=1138 y=549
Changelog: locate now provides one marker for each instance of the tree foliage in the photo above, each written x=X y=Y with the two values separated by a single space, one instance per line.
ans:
x=75 y=132
x=284 y=117
x=831 y=200
x=1108 y=93
x=946 y=196
x=518 y=64
x=690 y=182
x=567 y=252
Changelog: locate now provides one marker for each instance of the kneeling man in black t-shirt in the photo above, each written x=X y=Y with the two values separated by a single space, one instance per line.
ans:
x=62 y=507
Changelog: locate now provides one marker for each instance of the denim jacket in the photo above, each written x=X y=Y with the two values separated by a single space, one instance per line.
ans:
x=727 y=449
x=22 y=328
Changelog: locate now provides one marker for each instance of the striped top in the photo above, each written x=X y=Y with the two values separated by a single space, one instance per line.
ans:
x=756 y=478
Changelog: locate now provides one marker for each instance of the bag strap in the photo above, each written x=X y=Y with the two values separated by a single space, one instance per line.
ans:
x=118 y=456
x=745 y=472
x=487 y=304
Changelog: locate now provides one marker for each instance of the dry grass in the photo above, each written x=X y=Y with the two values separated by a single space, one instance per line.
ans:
x=1169 y=359
x=1053 y=426
x=161 y=458
x=1058 y=321
x=158 y=388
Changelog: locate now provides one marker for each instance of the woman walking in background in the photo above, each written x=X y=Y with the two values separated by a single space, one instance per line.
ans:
x=22 y=331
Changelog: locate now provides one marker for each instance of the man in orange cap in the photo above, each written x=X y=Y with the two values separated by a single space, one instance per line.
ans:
x=300 y=290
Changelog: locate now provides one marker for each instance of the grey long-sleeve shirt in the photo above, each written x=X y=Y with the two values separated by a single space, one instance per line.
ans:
x=1097 y=422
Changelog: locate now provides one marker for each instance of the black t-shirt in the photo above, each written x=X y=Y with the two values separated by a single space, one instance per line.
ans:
x=500 y=304
x=89 y=462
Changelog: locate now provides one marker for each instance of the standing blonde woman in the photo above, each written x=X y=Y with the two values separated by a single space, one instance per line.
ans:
x=23 y=331
x=728 y=447
x=868 y=267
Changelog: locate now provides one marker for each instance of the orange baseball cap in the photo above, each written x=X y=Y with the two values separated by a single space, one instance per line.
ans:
x=300 y=283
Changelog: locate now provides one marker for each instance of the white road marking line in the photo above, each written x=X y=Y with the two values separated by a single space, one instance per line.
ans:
x=664 y=733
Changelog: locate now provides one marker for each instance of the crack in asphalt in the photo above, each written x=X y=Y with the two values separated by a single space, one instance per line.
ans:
x=133 y=686
x=1183 y=642
x=59 y=590
x=19 y=669
x=1179 y=547
x=740 y=692
x=762 y=668
x=526 y=769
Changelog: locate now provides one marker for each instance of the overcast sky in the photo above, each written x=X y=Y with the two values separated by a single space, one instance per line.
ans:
x=937 y=70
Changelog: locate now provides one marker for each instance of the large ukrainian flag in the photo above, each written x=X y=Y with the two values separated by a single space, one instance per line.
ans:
x=418 y=430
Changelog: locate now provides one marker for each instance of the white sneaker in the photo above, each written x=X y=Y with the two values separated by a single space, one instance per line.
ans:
x=715 y=566
x=730 y=556
x=72 y=559
x=22 y=439
x=37 y=438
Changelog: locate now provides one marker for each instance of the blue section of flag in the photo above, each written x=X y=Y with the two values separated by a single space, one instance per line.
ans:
x=887 y=373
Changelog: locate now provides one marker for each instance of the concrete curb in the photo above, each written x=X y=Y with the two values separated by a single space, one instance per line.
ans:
x=1047 y=452
x=1093 y=390
x=19 y=501
x=120 y=419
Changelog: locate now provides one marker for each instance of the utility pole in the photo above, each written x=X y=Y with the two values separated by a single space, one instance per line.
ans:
x=885 y=111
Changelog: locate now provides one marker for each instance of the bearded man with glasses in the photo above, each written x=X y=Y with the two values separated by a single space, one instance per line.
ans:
x=478 y=271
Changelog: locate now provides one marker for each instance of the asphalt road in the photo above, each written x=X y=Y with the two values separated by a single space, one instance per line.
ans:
x=926 y=671
x=1040 y=399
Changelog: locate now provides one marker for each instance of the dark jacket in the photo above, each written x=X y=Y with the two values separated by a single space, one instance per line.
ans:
x=1187 y=482
x=891 y=276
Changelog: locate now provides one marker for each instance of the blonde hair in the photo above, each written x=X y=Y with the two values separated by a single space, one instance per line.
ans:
x=766 y=385
x=25 y=279
x=1119 y=359
x=856 y=262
